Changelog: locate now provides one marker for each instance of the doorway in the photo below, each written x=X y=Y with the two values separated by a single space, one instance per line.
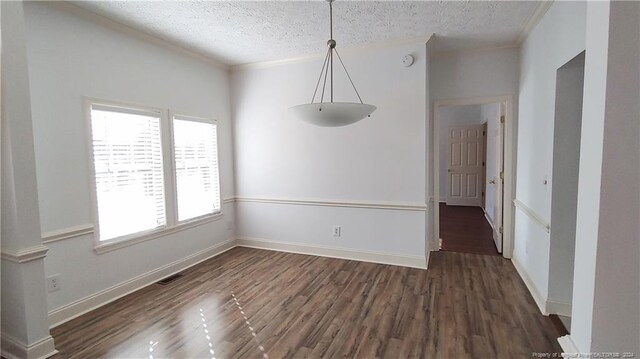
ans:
x=470 y=166
x=473 y=172
x=564 y=185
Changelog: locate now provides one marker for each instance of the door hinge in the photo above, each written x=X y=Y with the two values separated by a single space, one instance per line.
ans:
x=500 y=230
x=501 y=119
x=484 y=133
x=501 y=175
x=483 y=163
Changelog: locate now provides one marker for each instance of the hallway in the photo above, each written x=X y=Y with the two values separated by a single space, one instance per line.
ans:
x=466 y=230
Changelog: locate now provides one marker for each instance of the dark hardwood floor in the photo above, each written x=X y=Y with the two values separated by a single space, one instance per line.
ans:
x=466 y=230
x=250 y=303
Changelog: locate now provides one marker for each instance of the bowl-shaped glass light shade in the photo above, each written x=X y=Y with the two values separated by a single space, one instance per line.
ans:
x=332 y=114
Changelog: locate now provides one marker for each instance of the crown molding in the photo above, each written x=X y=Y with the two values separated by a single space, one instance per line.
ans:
x=25 y=255
x=142 y=35
x=360 y=48
x=541 y=10
x=473 y=50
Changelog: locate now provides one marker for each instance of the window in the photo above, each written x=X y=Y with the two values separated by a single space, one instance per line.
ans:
x=196 y=163
x=129 y=179
x=137 y=192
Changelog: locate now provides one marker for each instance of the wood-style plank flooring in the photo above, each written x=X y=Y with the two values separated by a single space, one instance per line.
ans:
x=466 y=230
x=299 y=306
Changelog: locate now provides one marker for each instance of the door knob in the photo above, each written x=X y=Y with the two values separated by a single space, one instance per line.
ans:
x=492 y=181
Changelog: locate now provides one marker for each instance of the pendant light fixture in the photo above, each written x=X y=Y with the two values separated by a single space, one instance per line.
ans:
x=332 y=114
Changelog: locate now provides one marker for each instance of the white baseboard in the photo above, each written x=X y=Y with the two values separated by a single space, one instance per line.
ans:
x=14 y=349
x=89 y=303
x=81 y=306
x=333 y=252
x=537 y=297
x=559 y=308
x=569 y=349
x=493 y=227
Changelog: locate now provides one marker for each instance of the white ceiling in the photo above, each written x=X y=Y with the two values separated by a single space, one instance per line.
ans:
x=237 y=32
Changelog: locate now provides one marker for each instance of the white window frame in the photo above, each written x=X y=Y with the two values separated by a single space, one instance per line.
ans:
x=172 y=224
x=179 y=116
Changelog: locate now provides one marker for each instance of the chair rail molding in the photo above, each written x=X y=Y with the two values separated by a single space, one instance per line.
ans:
x=25 y=254
x=67 y=233
x=533 y=215
x=350 y=204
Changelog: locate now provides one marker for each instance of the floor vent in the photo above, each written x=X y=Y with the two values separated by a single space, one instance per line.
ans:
x=169 y=279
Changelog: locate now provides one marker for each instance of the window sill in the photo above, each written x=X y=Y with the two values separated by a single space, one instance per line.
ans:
x=109 y=246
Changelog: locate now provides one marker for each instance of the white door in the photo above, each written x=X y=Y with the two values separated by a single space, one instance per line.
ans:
x=465 y=155
x=498 y=182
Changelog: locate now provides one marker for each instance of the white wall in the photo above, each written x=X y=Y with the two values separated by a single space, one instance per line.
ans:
x=381 y=159
x=472 y=74
x=71 y=56
x=490 y=114
x=453 y=116
x=558 y=37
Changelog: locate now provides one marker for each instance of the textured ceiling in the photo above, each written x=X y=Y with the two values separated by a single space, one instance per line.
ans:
x=237 y=32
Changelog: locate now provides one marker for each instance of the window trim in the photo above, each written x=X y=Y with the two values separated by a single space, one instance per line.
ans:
x=172 y=225
x=180 y=116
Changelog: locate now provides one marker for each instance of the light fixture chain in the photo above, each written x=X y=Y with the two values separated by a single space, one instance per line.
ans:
x=324 y=64
x=325 y=79
x=349 y=76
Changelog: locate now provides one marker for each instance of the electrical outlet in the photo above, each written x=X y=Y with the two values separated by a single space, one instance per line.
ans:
x=337 y=231
x=53 y=283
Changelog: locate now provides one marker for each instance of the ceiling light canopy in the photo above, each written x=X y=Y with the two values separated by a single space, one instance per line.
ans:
x=332 y=114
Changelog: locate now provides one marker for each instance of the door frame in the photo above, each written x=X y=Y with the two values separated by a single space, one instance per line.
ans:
x=509 y=147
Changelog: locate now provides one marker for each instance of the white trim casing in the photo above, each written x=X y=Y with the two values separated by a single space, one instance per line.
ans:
x=533 y=215
x=371 y=205
x=89 y=303
x=25 y=254
x=14 y=349
x=333 y=252
x=67 y=233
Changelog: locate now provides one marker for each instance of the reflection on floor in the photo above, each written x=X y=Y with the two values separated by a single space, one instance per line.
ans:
x=465 y=229
x=250 y=303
